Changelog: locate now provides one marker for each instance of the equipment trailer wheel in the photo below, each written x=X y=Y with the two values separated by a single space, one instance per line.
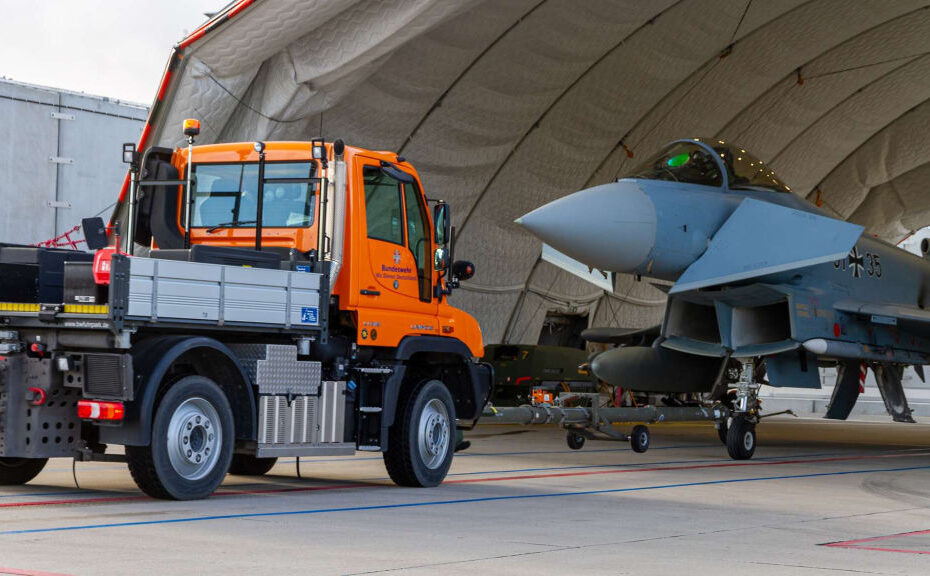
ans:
x=246 y=465
x=192 y=442
x=741 y=439
x=16 y=471
x=420 y=442
x=575 y=440
x=639 y=438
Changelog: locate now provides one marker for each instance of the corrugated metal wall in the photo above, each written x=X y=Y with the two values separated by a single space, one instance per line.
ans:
x=60 y=158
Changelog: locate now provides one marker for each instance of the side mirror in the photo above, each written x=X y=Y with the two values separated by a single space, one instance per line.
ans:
x=95 y=233
x=442 y=223
x=441 y=259
x=463 y=269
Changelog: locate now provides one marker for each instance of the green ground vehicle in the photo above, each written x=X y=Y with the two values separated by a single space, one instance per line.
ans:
x=521 y=368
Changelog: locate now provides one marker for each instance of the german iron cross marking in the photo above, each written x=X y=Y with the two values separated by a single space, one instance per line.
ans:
x=856 y=262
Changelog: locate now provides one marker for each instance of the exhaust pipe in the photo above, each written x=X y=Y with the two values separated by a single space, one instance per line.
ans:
x=340 y=186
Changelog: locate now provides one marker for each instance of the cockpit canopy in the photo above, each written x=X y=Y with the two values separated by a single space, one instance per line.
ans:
x=688 y=161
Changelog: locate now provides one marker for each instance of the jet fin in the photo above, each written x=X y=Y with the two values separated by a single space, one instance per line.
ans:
x=888 y=378
x=761 y=238
x=845 y=392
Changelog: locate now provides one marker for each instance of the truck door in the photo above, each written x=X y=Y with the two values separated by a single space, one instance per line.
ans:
x=400 y=280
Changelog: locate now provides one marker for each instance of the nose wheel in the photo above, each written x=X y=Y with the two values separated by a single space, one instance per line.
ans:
x=741 y=438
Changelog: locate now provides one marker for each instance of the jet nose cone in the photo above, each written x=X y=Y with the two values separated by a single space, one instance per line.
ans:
x=610 y=227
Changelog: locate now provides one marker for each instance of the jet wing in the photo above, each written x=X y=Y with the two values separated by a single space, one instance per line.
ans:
x=761 y=238
x=621 y=336
x=910 y=318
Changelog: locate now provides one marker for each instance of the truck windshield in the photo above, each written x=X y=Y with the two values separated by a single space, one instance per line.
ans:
x=226 y=196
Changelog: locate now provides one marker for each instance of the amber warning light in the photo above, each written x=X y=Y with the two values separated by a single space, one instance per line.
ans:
x=191 y=127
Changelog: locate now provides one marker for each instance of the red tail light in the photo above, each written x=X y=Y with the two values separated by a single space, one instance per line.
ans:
x=99 y=410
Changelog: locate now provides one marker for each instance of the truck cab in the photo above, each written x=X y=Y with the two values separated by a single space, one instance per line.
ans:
x=390 y=286
x=292 y=295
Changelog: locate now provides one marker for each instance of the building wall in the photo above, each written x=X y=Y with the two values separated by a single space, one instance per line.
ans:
x=60 y=158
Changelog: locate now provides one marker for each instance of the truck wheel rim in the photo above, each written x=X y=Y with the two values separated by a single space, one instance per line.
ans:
x=434 y=433
x=195 y=438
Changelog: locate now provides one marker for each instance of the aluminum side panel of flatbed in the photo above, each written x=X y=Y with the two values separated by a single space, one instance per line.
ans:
x=175 y=291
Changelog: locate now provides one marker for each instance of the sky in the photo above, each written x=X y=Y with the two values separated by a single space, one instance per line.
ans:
x=113 y=48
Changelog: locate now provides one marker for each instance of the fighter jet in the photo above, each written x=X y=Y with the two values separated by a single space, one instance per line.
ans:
x=760 y=276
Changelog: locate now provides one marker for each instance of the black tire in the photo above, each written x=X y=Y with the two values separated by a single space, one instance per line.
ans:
x=245 y=465
x=421 y=407
x=722 y=432
x=639 y=438
x=16 y=471
x=165 y=469
x=575 y=440
x=741 y=439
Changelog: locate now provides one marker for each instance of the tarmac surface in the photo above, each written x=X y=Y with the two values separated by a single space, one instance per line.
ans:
x=818 y=498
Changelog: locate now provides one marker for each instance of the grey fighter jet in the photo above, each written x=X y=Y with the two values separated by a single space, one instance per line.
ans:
x=760 y=275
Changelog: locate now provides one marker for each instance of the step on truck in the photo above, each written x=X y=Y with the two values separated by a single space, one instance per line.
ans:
x=247 y=301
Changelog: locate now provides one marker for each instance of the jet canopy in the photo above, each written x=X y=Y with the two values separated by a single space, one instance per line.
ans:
x=692 y=162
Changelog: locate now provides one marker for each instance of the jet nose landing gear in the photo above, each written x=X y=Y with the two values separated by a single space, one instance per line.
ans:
x=740 y=430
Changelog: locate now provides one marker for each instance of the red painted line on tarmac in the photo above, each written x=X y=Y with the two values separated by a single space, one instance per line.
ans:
x=855 y=543
x=874 y=549
x=686 y=467
x=109 y=499
x=875 y=538
x=28 y=572
x=100 y=500
x=134 y=497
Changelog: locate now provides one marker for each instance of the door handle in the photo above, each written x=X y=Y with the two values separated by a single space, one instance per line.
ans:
x=365 y=292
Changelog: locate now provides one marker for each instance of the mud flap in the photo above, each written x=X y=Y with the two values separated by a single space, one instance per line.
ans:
x=889 y=384
x=845 y=392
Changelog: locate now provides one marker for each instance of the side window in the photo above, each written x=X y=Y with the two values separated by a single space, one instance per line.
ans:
x=418 y=238
x=383 y=206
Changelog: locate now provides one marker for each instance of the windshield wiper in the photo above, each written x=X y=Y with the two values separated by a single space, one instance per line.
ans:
x=228 y=224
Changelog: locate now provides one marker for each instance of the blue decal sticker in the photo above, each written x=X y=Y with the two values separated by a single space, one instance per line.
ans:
x=309 y=315
x=303 y=268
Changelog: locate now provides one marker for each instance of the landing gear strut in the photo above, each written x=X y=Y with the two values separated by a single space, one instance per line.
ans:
x=741 y=426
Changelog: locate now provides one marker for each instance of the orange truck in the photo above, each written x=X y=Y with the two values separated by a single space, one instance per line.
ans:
x=247 y=301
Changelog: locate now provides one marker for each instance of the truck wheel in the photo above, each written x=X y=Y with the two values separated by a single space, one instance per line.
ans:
x=16 y=471
x=192 y=442
x=245 y=465
x=741 y=439
x=420 y=443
